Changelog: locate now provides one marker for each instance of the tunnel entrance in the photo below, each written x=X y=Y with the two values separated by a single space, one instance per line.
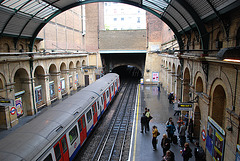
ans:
x=127 y=72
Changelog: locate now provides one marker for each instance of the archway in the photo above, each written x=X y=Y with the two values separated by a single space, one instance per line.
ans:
x=53 y=86
x=22 y=91
x=178 y=82
x=40 y=90
x=218 y=105
x=128 y=72
x=63 y=79
x=197 y=111
x=186 y=86
x=71 y=75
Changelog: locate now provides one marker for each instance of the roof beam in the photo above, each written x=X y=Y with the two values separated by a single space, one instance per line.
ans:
x=204 y=35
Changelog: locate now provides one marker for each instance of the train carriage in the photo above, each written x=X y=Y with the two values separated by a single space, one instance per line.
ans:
x=59 y=132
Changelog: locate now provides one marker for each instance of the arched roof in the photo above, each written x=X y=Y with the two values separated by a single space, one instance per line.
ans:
x=25 y=18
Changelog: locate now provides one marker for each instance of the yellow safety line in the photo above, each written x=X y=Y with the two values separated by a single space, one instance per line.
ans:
x=135 y=139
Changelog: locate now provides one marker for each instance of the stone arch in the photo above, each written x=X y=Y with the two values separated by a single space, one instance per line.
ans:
x=6 y=48
x=173 y=78
x=20 y=48
x=186 y=85
x=199 y=85
x=84 y=63
x=53 y=81
x=197 y=122
x=178 y=82
x=193 y=43
x=218 y=102
x=238 y=37
x=39 y=88
x=22 y=89
x=2 y=86
x=35 y=48
x=71 y=74
x=219 y=40
x=63 y=78
x=78 y=73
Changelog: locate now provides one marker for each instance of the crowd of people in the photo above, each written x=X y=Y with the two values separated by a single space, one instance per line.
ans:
x=184 y=124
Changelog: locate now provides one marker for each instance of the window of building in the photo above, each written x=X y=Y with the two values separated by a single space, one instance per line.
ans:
x=114 y=19
x=122 y=19
x=138 y=20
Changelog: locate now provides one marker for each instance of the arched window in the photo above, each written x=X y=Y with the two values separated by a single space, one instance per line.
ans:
x=6 y=48
x=238 y=37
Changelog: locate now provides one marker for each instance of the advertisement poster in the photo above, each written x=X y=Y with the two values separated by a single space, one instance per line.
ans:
x=62 y=84
x=18 y=102
x=155 y=77
x=51 y=88
x=71 y=80
x=77 y=79
x=38 y=94
x=215 y=140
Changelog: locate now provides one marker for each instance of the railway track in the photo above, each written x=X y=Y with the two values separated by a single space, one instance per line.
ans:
x=110 y=140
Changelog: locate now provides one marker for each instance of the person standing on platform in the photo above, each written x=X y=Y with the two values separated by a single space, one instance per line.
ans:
x=182 y=134
x=199 y=153
x=186 y=152
x=171 y=98
x=179 y=123
x=168 y=127
x=158 y=87
x=143 y=123
x=190 y=130
x=177 y=112
x=154 y=137
x=186 y=118
x=165 y=144
x=169 y=156
x=149 y=117
x=171 y=129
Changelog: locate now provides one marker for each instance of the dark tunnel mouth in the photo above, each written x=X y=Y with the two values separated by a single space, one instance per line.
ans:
x=128 y=72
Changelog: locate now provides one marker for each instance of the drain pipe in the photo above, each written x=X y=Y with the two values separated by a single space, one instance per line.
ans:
x=31 y=77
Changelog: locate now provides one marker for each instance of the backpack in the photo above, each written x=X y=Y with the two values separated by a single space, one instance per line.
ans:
x=201 y=153
x=158 y=133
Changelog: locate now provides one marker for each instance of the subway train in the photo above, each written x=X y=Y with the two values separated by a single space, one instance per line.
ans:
x=58 y=133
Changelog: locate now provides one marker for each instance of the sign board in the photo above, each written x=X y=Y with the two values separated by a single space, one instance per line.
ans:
x=183 y=106
x=6 y=102
x=155 y=76
x=203 y=135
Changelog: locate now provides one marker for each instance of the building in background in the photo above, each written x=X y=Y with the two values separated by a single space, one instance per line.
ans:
x=118 y=16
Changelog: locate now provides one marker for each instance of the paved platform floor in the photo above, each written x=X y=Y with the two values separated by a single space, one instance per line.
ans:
x=161 y=110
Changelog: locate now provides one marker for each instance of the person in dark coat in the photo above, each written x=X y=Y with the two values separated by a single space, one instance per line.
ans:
x=199 y=153
x=171 y=129
x=169 y=156
x=143 y=123
x=165 y=144
x=186 y=152
x=190 y=130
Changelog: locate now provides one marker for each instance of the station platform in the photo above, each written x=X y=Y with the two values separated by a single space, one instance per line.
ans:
x=141 y=143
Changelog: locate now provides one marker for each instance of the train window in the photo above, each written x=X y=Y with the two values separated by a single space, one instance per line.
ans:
x=89 y=115
x=48 y=158
x=101 y=100
x=57 y=152
x=64 y=145
x=73 y=135
x=112 y=87
x=98 y=105
x=83 y=122
x=107 y=94
x=80 y=126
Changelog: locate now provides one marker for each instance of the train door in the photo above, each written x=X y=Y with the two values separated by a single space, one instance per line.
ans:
x=114 y=89
x=98 y=108
x=110 y=94
x=82 y=129
x=105 y=101
x=94 y=114
x=61 y=150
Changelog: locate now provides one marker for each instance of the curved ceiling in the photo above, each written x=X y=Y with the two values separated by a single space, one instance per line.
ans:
x=25 y=18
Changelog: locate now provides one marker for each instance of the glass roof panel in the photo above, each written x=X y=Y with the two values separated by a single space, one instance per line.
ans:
x=31 y=7
x=159 y=5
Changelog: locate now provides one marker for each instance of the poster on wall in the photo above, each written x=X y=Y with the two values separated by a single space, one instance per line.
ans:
x=155 y=77
x=71 y=80
x=19 y=108
x=62 y=84
x=76 y=79
x=38 y=93
x=51 y=88
x=215 y=140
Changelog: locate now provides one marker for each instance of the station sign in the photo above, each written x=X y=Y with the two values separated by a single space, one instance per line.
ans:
x=6 y=102
x=183 y=106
